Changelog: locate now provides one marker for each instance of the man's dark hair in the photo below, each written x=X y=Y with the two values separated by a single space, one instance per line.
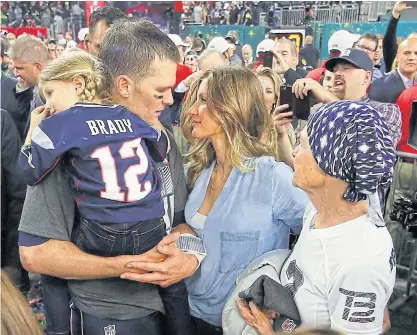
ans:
x=108 y=14
x=131 y=45
x=371 y=37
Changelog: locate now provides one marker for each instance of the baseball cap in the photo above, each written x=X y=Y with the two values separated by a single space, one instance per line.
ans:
x=268 y=294
x=219 y=44
x=177 y=40
x=230 y=38
x=82 y=33
x=265 y=45
x=341 y=40
x=355 y=57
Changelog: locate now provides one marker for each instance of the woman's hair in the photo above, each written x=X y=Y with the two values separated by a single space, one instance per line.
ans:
x=16 y=316
x=235 y=100
x=78 y=63
x=267 y=72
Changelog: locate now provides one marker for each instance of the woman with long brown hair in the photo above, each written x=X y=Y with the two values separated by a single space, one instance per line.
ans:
x=16 y=316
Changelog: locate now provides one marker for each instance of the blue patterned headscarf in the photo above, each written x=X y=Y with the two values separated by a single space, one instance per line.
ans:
x=351 y=142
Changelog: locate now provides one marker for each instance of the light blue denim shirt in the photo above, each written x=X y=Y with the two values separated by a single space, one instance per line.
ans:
x=252 y=215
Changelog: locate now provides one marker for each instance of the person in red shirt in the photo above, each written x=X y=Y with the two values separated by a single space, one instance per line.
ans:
x=405 y=101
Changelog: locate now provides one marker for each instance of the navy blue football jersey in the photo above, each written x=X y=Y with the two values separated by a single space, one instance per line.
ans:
x=104 y=149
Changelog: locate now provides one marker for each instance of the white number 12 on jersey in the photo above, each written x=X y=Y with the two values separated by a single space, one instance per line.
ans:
x=112 y=190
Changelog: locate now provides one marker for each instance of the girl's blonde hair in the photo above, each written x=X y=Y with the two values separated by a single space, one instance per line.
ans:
x=78 y=63
x=16 y=316
x=235 y=100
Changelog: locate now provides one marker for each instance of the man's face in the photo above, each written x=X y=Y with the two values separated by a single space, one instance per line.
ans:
x=11 y=38
x=27 y=73
x=154 y=92
x=368 y=46
x=350 y=83
x=407 y=57
x=231 y=49
x=285 y=50
x=96 y=37
x=247 y=54
x=181 y=51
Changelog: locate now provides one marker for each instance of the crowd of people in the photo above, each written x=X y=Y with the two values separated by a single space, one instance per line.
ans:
x=163 y=185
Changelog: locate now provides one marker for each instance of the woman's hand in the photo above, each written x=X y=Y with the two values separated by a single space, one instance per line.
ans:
x=255 y=317
x=282 y=120
x=176 y=266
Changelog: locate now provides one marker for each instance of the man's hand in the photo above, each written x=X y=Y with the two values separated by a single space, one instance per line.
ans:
x=302 y=86
x=399 y=7
x=255 y=318
x=176 y=266
x=282 y=120
x=278 y=63
x=195 y=76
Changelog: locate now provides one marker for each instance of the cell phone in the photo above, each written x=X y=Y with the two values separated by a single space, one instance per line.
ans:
x=286 y=96
x=268 y=57
x=412 y=135
x=299 y=107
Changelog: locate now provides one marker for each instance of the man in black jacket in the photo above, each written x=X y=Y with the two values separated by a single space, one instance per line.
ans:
x=286 y=60
x=12 y=197
x=388 y=88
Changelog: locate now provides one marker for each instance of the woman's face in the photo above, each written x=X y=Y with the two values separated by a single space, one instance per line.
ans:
x=328 y=80
x=307 y=174
x=204 y=124
x=191 y=62
x=269 y=91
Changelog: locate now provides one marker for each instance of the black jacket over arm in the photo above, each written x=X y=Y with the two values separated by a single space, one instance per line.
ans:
x=390 y=46
x=387 y=89
x=13 y=191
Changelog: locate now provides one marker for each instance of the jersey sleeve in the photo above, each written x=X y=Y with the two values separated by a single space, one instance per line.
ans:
x=358 y=297
x=49 y=141
x=289 y=202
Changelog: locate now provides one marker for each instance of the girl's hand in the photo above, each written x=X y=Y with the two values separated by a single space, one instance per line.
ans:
x=37 y=115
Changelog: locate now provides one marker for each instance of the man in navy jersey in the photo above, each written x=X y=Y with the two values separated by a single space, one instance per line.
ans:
x=142 y=62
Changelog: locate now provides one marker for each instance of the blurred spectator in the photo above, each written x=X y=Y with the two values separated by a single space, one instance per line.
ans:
x=52 y=49
x=405 y=102
x=5 y=61
x=247 y=54
x=198 y=46
x=82 y=34
x=309 y=54
x=286 y=61
x=234 y=58
x=179 y=44
x=339 y=42
x=378 y=60
x=234 y=15
x=61 y=39
x=222 y=46
x=247 y=15
x=210 y=59
x=238 y=47
x=198 y=13
x=216 y=14
x=59 y=50
x=11 y=37
x=190 y=60
x=388 y=88
x=369 y=44
x=59 y=23
x=188 y=40
x=100 y=21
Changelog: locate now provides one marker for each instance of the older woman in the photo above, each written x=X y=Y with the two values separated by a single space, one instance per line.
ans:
x=341 y=272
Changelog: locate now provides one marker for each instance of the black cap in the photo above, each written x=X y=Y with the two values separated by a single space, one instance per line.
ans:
x=355 y=57
x=267 y=294
x=230 y=38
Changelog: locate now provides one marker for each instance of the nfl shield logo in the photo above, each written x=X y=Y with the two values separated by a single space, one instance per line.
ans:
x=110 y=330
x=288 y=326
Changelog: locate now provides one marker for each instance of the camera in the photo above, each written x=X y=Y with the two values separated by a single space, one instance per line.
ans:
x=404 y=211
